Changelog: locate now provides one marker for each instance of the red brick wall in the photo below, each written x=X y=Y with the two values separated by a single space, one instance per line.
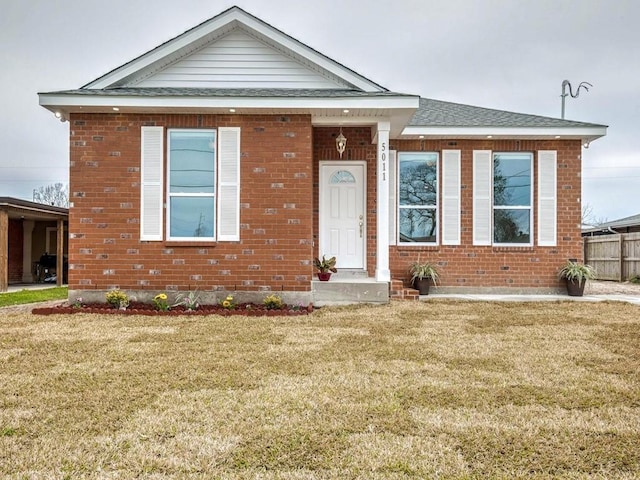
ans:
x=509 y=267
x=275 y=250
x=15 y=251
x=467 y=265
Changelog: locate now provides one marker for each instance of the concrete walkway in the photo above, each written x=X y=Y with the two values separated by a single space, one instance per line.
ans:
x=535 y=298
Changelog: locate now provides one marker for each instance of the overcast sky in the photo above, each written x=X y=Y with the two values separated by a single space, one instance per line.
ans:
x=505 y=54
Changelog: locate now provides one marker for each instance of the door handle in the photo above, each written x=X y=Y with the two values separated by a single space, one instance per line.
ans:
x=361 y=225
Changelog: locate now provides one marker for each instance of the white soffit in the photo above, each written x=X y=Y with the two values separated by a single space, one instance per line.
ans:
x=504 y=132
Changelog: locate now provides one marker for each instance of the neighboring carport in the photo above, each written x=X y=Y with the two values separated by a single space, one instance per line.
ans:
x=29 y=230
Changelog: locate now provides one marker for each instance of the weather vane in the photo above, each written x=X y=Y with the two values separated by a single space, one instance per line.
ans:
x=566 y=83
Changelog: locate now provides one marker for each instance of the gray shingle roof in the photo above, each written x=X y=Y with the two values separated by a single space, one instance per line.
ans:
x=621 y=222
x=228 y=92
x=436 y=113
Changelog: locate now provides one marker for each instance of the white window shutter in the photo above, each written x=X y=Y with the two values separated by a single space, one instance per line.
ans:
x=482 y=207
x=151 y=188
x=228 y=184
x=393 y=206
x=547 y=198
x=451 y=197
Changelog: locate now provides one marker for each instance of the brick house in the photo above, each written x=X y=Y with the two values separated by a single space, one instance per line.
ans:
x=212 y=163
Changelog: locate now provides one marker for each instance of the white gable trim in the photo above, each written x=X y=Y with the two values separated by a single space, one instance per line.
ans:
x=239 y=60
x=212 y=29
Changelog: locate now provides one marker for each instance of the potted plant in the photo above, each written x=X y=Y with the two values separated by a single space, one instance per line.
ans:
x=325 y=267
x=576 y=275
x=422 y=274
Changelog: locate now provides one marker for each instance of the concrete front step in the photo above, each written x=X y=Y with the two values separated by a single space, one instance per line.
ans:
x=342 y=290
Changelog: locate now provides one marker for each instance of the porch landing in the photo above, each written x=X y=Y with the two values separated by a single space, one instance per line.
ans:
x=349 y=287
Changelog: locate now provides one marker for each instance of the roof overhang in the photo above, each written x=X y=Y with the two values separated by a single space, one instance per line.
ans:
x=26 y=210
x=323 y=110
x=585 y=134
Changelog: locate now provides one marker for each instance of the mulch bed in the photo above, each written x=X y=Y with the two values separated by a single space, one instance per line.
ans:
x=134 y=308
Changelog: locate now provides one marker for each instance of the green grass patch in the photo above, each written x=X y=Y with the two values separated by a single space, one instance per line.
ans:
x=33 y=296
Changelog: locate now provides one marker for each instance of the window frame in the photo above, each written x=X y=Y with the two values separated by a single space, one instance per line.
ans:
x=213 y=195
x=436 y=207
x=529 y=208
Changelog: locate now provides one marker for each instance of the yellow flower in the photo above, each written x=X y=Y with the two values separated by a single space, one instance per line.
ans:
x=226 y=303
x=161 y=296
x=229 y=298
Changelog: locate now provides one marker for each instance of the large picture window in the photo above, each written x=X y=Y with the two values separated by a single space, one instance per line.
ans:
x=417 y=197
x=512 y=198
x=191 y=184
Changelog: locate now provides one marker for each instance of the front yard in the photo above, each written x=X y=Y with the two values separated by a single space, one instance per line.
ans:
x=410 y=390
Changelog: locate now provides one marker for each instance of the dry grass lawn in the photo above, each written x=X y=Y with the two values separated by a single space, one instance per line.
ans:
x=410 y=390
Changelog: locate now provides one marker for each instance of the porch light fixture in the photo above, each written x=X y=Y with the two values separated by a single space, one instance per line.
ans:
x=341 y=143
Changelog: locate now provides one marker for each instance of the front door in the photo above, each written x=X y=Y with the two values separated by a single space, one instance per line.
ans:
x=343 y=213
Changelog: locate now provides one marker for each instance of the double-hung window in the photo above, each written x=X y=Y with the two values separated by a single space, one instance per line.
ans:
x=512 y=198
x=191 y=185
x=418 y=197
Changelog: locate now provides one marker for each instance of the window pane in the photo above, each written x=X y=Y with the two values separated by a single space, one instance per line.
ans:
x=418 y=225
x=511 y=226
x=192 y=161
x=191 y=217
x=418 y=179
x=512 y=180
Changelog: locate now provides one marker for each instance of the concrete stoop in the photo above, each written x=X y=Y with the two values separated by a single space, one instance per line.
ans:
x=347 y=290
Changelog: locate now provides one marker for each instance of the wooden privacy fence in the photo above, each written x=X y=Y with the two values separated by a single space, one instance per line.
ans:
x=614 y=257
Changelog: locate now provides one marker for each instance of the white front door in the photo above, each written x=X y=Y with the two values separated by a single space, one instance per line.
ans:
x=343 y=231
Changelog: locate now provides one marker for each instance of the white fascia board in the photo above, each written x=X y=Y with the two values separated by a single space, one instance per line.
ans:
x=313 y=56
x=164 y=50
x=507 y=132
x=69 y=101
x=226 y=20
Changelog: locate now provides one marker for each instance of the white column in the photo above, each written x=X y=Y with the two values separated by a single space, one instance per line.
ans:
x=383 y=274
x=27 y=247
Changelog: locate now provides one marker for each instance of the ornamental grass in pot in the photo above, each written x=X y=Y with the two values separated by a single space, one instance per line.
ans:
x=576 y=275
x=422 y=275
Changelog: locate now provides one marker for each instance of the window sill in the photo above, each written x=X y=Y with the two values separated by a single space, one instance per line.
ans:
x=174 y=243
x=524 y=248
x=413 y=248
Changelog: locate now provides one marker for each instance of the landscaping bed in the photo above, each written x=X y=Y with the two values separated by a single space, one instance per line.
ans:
x=140 y=308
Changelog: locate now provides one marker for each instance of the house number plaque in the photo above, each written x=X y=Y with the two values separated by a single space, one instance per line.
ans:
x=383 y=157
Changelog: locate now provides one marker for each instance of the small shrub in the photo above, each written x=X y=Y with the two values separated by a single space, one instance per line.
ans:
x=635 y=279
x=117 y=299
x=272 y=302
x=161 y=303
